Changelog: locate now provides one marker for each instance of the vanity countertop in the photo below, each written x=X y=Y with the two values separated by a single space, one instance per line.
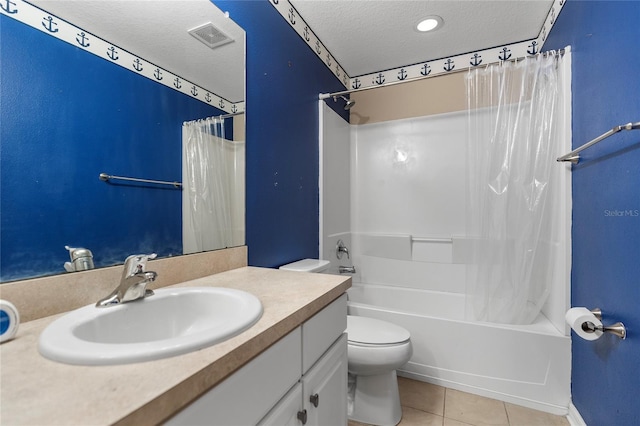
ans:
x=37 y=391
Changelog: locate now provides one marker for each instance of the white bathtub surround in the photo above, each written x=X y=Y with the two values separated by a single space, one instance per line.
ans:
x=525 y=365
x=515 y=186
x=410 y=245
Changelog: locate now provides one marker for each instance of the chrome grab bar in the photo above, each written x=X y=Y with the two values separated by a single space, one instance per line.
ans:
x=106 y=177
x=574 y=158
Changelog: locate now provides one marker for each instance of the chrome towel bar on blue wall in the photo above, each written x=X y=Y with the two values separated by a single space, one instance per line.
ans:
x=106 y=178
x=573 y=156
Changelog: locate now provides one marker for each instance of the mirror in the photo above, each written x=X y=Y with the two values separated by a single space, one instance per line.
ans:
x=104 y=87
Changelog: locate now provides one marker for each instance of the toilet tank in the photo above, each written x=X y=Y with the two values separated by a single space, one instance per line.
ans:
x=307 y=265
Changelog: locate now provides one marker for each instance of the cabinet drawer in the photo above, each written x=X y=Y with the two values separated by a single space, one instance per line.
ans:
x=247 y=396
x=321 y=330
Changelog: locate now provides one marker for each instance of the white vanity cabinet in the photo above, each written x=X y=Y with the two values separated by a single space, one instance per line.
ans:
x=320 y=398
x=283 y=385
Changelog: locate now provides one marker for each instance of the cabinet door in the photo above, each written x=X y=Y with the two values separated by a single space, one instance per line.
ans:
x=289 y=410
x=324 y=387
x=246 y=396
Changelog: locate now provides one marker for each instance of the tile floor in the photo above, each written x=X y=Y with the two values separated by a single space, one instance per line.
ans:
x=424 y=404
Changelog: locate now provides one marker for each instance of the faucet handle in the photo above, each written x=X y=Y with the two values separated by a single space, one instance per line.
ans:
x=340 y=249
x=136 y=263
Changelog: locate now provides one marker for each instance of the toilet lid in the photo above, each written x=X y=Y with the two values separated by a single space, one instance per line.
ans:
x=374 y=331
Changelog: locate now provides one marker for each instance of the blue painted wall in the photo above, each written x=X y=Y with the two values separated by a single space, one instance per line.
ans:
x=67 y=116
x=284 y=78
x=604 y=36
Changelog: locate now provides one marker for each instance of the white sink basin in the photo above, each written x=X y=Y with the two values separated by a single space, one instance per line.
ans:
x=171 y=322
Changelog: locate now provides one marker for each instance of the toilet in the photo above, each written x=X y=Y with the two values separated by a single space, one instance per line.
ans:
x=375 y=349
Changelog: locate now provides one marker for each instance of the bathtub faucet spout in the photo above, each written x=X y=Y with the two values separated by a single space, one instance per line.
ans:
x=347 y=269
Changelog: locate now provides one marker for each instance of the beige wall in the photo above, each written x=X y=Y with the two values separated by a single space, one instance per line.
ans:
x=238 y=127
x=429 y=96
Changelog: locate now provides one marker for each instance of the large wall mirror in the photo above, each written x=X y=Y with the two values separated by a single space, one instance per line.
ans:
x=105 y=87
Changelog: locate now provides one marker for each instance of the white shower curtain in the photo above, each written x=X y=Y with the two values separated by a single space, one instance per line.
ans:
x=207 y=187
x=516 y=118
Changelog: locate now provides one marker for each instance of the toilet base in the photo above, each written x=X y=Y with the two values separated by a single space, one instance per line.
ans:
x=377 y=400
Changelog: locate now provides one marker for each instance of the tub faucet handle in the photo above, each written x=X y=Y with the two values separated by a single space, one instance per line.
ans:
x=341 y=249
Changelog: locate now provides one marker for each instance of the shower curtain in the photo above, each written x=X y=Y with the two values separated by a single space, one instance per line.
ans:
x=207 y=186
x=516 y=115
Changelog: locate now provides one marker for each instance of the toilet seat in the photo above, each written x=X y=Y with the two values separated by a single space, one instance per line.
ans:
x=371 y=332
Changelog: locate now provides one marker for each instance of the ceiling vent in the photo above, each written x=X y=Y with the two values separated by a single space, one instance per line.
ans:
x=211 y=36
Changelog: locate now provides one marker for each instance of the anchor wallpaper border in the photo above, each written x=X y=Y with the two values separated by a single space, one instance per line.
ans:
x=293 y=18
x=420 y=70
x=67 y=32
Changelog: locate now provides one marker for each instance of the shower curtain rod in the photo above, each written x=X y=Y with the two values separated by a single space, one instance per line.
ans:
x=322 y=96
x=215 y=116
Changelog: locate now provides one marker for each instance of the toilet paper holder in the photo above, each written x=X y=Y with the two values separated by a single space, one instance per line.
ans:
x=617 y=329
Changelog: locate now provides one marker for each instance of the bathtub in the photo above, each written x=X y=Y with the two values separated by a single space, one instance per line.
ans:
x=525 y=365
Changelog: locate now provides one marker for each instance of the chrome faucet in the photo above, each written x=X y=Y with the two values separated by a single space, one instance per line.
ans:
x=347 y=269
x=341 y=249
x=133 y=284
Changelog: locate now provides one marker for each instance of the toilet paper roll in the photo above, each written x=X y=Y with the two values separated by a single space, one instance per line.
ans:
x=576 y=317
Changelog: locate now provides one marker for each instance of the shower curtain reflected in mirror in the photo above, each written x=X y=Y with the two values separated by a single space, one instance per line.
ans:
x=516 y=118
x=211 y=178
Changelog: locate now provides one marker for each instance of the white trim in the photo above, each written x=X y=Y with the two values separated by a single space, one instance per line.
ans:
x=321 y=105
x=574 y=417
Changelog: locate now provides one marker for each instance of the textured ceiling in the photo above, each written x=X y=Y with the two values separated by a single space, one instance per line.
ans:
x=367 y=36
x=157 y=30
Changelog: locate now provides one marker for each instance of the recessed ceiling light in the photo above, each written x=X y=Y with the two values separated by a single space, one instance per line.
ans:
x=429 y=23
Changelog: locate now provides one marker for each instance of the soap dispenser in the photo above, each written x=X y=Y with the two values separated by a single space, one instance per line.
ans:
x=81 y=259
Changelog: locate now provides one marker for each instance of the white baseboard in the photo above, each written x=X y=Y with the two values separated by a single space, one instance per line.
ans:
x=574 y=417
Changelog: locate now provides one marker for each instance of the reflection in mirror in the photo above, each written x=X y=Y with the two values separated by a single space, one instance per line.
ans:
x=105 y=87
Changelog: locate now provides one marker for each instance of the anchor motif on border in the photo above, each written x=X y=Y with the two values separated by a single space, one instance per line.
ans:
x=561 y=2
x=356 y=84
x=6 y=6
x=553 y=15
x=344 y=80
x=449 y=65
x=207 y=97
x=306 y=34
x=275 y=1
x=425 y=70
x=137 y=65
x=476 y=60
x=194 y=90
x=544 y=33
x=292 y=16
x=84 y=40
x=533 y=48
x=177 y=83
x=318 y=49
x=112 y=53
x=402 y=74
x=329 y=63
x=504 y=54
x=379 y=79
x=234 y=108
x=338 y=74
x=221 y=103
x=158 y=74
x=49 y=27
